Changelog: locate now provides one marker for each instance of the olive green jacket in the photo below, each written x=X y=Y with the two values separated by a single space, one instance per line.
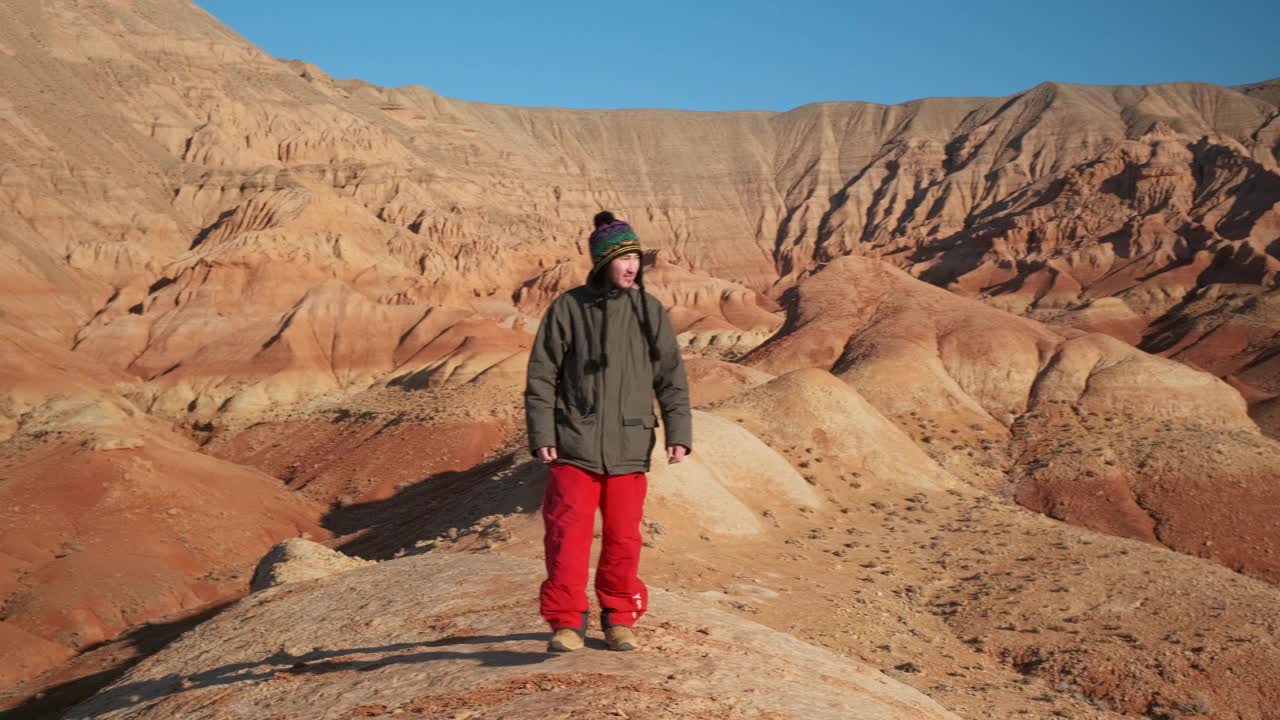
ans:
x=602 y=419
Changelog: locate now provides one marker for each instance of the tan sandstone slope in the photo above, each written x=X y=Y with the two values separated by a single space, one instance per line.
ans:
x=157 y=166
x=441 y=636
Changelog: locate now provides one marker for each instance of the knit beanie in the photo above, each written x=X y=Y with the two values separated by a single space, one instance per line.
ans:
x=614 y=238
x=611 y=239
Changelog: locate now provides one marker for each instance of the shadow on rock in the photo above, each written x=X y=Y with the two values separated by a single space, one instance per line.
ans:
x=429 y=508
x=135 y=645
x=318 y=662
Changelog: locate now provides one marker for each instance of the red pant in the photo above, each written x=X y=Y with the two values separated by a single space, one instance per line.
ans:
x=569 y=513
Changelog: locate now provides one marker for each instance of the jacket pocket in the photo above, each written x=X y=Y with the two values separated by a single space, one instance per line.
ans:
x=638 y=438
x=576 y=435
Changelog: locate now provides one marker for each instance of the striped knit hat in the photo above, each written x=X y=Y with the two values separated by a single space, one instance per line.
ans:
x=612 y=238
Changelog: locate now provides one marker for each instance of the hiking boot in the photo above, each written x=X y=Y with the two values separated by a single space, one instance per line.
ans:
x=620 y=637
x=565 y=640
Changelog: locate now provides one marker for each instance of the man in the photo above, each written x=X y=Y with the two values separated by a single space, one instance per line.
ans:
x=604 y=351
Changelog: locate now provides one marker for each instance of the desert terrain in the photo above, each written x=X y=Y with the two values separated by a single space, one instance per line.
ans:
x=987 y=393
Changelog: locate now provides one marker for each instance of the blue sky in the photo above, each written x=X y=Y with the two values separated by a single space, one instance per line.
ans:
x=755 y=55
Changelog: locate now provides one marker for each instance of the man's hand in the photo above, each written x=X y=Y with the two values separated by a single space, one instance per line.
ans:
x=548 y=455
x=676 y=453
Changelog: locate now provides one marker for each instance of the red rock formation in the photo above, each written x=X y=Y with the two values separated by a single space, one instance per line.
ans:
x=1079 y=426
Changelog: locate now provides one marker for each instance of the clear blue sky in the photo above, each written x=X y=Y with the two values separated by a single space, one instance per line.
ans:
x=756 y=55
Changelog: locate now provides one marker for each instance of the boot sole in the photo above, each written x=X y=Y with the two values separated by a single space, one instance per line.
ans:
x=559 y=647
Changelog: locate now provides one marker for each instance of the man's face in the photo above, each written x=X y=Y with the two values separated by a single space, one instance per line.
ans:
x=623 y=269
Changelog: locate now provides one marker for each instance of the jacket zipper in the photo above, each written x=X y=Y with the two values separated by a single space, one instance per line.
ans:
x=600 y=372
